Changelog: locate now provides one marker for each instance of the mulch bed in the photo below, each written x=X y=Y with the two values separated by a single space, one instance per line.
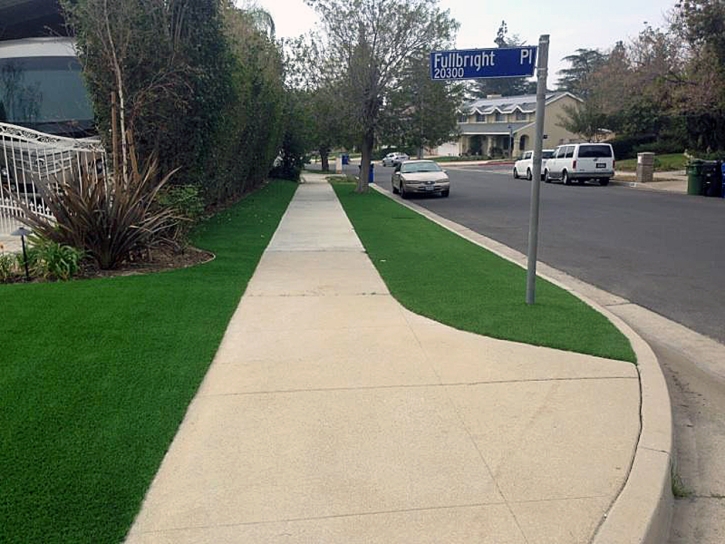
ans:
x=156 y=260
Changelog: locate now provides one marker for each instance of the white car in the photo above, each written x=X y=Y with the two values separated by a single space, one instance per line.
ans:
x=580 y=162
x=524 y=166
x=393 y=159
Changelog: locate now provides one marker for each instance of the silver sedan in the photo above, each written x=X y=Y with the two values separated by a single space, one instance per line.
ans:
x=420 y=177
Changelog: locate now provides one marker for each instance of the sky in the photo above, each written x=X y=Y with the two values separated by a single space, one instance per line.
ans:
x=571 y=24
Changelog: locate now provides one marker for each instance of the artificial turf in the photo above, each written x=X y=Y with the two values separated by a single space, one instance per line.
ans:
x=438 y=274
x=96 y=375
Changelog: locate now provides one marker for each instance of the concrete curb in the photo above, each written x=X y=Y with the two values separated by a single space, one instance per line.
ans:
x=642 y=511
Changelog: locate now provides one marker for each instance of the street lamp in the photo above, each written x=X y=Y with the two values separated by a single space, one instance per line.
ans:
x=23 y=232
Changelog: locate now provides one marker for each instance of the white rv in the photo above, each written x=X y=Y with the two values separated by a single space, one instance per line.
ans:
x=41 y=87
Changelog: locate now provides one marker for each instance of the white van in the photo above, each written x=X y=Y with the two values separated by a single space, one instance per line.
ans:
x=580 y=162
x=525 y=165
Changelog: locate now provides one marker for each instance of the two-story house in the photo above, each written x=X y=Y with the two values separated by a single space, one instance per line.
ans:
x=499 y=126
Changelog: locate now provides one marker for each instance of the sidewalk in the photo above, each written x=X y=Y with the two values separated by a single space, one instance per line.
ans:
x=333 y=415
x=8 y=242
x=672 y=182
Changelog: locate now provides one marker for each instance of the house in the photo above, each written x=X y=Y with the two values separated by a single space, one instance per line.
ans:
x=504 y=126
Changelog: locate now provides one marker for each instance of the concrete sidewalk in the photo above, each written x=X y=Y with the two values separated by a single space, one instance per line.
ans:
x=333 y=415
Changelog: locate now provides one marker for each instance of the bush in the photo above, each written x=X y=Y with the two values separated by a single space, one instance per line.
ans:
x=108 y=218
x=661 y=147
x=50 y=260
x=8 y=266
x=624 y=146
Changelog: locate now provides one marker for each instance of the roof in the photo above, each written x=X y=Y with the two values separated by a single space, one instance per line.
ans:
x=30 y=18
x=508 y=104
x=492 y=129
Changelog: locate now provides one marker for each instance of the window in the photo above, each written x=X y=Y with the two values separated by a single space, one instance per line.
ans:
x=521 y=116
x=480 y=118
x=569 y=151
x=422 y=166
x=463 y=118
x=500 y=117
x=594 y=151
x=41 y=92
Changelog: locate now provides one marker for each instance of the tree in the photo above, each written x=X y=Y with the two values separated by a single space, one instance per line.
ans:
x=372 y=43
x=322 y=89
x=163 y=61
x=584 y=119
x=421 y=113
x=250 y=134
x=577 y=79
x=504 y=86
x=701 y=92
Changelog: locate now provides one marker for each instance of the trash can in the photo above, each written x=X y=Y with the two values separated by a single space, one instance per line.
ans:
x=695 y=181
x=722 y=179
x=345 y=159
x=711 y=178
x=371 y=172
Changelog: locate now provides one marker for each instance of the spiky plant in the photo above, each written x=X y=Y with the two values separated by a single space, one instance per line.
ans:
x=107 y=217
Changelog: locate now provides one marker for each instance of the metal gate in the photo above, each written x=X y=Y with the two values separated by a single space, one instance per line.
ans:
x=31 y=160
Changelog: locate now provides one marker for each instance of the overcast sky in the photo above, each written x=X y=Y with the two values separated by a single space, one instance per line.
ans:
x=572 y=24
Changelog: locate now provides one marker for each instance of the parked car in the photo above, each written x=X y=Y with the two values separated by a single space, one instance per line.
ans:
x=524 y=166
x=420 y=177
x=581 y=162
x=393 y=159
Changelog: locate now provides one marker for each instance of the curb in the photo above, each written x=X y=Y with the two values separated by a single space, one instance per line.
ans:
x=642 y=511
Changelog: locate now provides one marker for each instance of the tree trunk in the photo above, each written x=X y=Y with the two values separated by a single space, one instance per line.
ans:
x=325 y=158
x=365 y=162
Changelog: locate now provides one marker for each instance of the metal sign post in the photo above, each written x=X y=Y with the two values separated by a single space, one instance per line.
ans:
x=506 y=62
x=541 y=73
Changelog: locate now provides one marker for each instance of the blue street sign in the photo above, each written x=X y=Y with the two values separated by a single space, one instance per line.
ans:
x=483 y=63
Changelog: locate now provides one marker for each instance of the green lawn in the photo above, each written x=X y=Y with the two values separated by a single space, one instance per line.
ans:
x=438 y=274
x=96 y=375
x=663 y=163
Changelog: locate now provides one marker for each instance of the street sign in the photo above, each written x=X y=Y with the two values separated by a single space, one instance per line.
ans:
x=483 y=63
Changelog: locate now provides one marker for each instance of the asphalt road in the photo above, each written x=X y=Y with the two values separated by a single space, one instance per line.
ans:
x=665 y=252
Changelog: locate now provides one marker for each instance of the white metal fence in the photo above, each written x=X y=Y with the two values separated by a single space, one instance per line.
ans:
x=31 y=160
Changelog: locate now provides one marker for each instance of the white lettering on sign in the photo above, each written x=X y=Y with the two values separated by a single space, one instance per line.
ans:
x=477 y=60
x=526 y=55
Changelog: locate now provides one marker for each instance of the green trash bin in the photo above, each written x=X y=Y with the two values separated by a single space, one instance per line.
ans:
x=695 y=178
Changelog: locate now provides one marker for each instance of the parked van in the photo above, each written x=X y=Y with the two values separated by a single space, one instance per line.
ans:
x=580 y=162
x=526 y=163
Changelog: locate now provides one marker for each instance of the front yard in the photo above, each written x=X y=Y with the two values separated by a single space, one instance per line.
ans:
x=96 y=375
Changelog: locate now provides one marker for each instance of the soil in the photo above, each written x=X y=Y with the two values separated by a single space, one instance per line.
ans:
x=148 y=262
x=156 y=260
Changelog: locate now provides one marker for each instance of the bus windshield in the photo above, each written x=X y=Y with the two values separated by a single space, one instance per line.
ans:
x=45 y=94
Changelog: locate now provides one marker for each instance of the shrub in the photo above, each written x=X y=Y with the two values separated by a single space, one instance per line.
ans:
x=52 y=261
x=624 y=145
x=8 y=266
x=661 y=147
x=107 y=217
x=188 y=207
